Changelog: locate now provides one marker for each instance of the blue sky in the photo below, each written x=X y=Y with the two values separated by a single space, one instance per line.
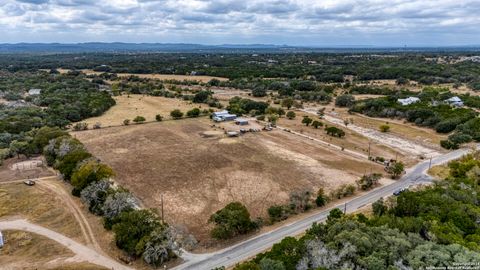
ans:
x=292 y=22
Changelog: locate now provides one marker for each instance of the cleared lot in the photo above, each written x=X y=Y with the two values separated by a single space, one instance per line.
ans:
x=198 y=170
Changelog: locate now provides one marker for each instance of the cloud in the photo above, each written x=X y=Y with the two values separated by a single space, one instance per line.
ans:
x=298 y=22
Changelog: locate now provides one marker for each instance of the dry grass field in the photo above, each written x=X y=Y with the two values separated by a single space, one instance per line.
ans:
x=199 y=78
x=198 y=170
x=39 y=206
x=130 y=106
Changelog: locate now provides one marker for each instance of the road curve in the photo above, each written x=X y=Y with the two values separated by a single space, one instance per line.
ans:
x=249 y=248
x=83 y=252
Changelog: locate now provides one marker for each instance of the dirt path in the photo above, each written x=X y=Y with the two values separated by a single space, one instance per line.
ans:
x=403 y=145
x=83 y=253
x=55 y=187
x=87 y=231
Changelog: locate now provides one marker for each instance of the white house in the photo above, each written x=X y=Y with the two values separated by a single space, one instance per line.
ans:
x=454 y=101
x=408 y=101
x=223 y=116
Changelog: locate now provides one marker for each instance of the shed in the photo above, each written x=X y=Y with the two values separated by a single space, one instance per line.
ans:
x=223 y=116
x=455 y=101
x=232 y=134
x=241 y=122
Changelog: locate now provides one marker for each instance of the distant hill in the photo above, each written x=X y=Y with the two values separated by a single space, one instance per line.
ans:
x=119 y=47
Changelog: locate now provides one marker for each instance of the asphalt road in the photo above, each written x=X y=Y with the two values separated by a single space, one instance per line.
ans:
x=249 y=248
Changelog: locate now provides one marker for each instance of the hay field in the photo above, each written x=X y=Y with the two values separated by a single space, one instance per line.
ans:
x=130 y=106
x=198 y=174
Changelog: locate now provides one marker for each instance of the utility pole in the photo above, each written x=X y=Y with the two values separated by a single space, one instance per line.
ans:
x=430 y=163
x=161 y=196
x=369 y=143
x=345 y=208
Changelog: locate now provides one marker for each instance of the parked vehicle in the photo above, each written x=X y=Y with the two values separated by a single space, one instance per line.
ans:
x=29 y=182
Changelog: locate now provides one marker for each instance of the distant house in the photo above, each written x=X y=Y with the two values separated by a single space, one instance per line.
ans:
x=408 y=101
x=454 y=101
x=241 y=122
x=34 y=91
x=223 y=116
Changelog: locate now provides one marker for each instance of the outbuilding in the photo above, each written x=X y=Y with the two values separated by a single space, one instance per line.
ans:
x=241 y=122
x=408 y=101
x=454 y=101
x=223 y=116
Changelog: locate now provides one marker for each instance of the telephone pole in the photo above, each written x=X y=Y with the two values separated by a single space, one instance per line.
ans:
x=161 y=198
x=430 y=163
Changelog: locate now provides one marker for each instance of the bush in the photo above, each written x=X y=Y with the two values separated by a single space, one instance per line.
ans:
x=139 y=119
x=232 y=220
x=447 y=144
x=126 y=122
x=158 y=118
x=94 y=195
x=317 y=124
x=384 y=128
x=291 y=115
x=202 y=96
x=176 y=114
x=277 y=213
x=368 y=181
x=307 y=120
x=80 y=126
x=195 y=112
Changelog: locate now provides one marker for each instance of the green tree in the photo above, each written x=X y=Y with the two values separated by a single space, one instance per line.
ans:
x=317 y=124
x=307 y=120
x=291 y=115
x=158 y=118
x=344 y=101
x=287 y=102
x=89 y=171
x=126 y=122
x=379 y=207
x=232 y=220
x=132 y=230
x=396 y=169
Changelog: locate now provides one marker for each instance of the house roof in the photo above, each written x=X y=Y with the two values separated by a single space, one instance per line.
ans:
x=454 y=99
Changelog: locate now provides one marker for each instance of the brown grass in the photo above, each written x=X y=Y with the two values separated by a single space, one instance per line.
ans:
x=130 y=106
x=38 y=205
x=198 y=175
x=440 y=171
x=199 y=78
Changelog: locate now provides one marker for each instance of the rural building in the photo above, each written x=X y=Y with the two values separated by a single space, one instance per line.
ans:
x=1 y=240
x=408 y=101
x=241 y=122
x=223 y=116
x=34 y=91
x=454 y=101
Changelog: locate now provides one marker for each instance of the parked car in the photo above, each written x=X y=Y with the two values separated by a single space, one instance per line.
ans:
x=399 y=191
x=29 y=182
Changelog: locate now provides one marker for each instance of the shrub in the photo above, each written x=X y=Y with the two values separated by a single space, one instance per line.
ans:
x=80 y=126
x=202 y=96
x=195 y=112
x=291 y=115
x=384 y=128
x=317 y=124
x=94 y=195
x=335 y=132
x=259 y=92
x=176 y=114
x=307 y=120
x=139 y=119
x=126 y=122
x=158 y=118
x=89 y=171
x=277 y=213
x=368 y=181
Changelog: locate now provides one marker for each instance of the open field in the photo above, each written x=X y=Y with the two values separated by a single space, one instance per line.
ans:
x=130 y=106
x=39 y=206
x=14 y=169
x=198 y=170
x=199 y=78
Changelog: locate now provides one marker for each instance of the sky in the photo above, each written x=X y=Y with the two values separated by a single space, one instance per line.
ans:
x=291 y=22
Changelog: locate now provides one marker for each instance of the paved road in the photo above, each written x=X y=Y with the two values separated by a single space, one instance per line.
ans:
x=249 y=248
x=82 y=252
